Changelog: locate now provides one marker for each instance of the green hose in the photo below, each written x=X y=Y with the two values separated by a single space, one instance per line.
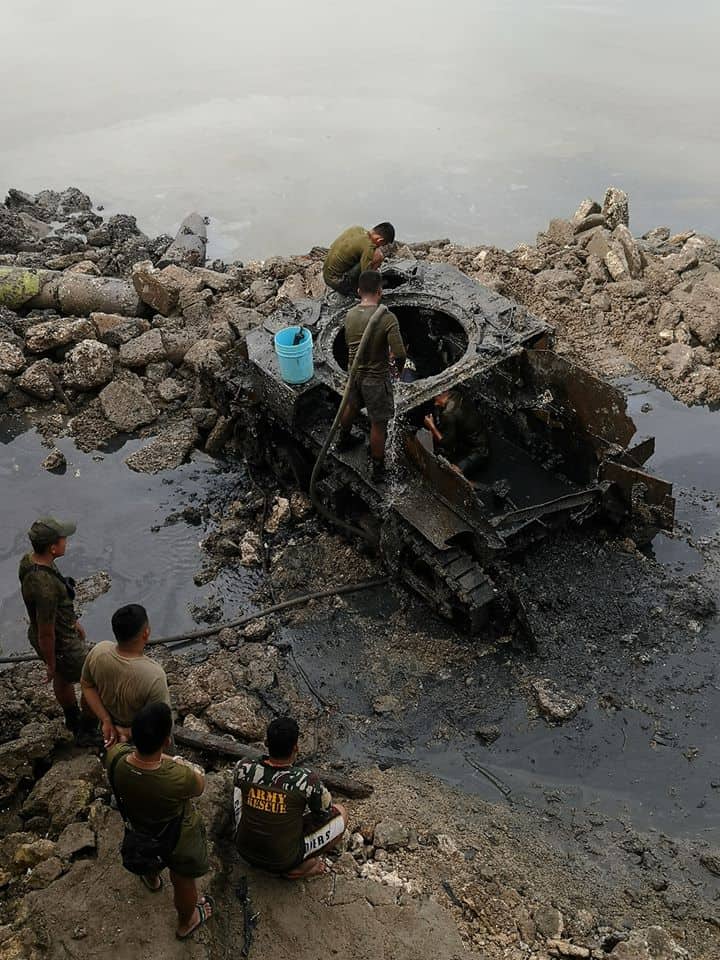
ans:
x=352 y=373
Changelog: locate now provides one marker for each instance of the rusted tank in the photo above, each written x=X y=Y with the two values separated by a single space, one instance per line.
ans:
x=563 y=450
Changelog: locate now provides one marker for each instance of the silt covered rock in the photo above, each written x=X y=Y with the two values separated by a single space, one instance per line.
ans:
x=126 y=406
x=88 y=366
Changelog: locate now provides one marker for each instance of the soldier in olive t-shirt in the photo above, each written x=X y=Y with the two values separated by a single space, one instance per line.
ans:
x=355 y=250
x=118 y=679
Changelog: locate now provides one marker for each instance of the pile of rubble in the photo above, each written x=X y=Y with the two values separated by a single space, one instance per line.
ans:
x=654 y=300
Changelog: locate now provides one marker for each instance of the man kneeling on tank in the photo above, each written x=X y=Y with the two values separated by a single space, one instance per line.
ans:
x=284 y=816
x=458 y=432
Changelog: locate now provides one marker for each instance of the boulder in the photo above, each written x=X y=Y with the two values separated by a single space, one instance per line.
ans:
x=118 y=334
x=177 y=342
x=262 y=290
x=549 y=921
x=55 y=462
x=88 y=365
x=586 y=209
x=678 y=360
x=155 y=288
x=37 y=380
x=391 y=835
x=560 y=232
x=554 y=704
x=597 y=243
x=12 y=359
x=75 y=838
x=591 y=222
x=556 y=284
x=240 y=317
x=28 y=855
x=240 y=715
x=616 y=207
x=35 y=740
x=145 y=349
x=126 y=406
x=616 y=261
x=680 y=262
x=58 y=333
x=105 y=322
x=65 y=792
x=170 y=389
x=46 y=873
x=633 y=256
x=218 y=282
x=529 y=258
x=293 y=288
x=596 y=269
x=167 y=451
x=204 y=355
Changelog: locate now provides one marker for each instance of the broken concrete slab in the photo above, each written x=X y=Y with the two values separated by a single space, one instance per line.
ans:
x=142 y=350
x=167 y=451
x=88 y=366
x=126 y=406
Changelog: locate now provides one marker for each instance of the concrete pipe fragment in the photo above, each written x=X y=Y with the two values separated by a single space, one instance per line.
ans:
x=188 y=247
x=74 y=294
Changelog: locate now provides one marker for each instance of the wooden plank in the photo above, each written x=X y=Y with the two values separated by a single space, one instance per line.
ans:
x=211 y=743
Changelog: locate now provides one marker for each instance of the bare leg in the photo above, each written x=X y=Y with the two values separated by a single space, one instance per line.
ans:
x=85 y=708
x=378 y=433
x=348 y=415
x=64 y=692
x=185 y=898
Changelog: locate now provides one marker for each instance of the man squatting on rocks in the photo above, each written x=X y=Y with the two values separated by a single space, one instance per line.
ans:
x=355 y=250
x=271 y=796
x=372 y=387
x=154 y=792
x=54 y=630
x=118 y=679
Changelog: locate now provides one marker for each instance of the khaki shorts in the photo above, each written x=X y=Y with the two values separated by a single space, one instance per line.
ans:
x=190 y=856
x=377 y=398
x=69 y=657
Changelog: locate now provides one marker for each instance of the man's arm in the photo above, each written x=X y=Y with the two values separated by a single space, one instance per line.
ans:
x=377 y=258
x=92 y=698
x=395 y=340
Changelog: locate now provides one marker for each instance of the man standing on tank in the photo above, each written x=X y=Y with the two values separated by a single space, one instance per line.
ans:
x=372 y=387
x=54 y=630
x=355 y=250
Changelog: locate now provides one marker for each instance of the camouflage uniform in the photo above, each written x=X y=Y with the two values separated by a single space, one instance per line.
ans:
x=271 y=829
x=49 y=599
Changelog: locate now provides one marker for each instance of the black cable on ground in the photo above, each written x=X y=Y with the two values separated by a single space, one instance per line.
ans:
x=241 y=621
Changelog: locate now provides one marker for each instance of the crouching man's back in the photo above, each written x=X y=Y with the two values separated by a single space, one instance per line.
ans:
x=284 y=816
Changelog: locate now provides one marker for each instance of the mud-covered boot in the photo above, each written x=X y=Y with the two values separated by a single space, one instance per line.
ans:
x=88 y=732
x=377 y=470
x=72 y=718
x=346 y=441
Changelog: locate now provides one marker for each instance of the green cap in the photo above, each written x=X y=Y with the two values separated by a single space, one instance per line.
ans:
x=47 y=530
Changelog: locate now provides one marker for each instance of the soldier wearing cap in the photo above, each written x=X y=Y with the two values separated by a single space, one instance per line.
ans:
x=54 y=630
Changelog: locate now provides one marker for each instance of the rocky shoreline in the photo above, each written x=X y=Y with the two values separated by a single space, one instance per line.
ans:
x=428 y=870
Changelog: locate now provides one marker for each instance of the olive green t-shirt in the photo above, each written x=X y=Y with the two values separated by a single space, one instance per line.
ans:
x=124 y=684
x=47 y=600
x=376 y=364
x=152 y=798
x=353 y=246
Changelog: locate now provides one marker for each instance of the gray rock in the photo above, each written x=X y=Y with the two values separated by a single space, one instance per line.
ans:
x=293 y=288
x=204 y=417
x=36 y=380
x=156 y=372
x=633 y=255
x=57 y=333
x=160 y=289
x=145 y=349
x=167 y=451
x=5 y=384
x=115 y=335
x=629 y=289
x=75 y=838
x=669 y=314
x=177 y=342
x=65 y=792
x=596 y=269
x=28 y=855
x=219 y=282
x=55 y=462
x=240 y=317
x=590 y=222
x=616 y=262
x=45 y=873
x=597 y=243
x=680 y=262
x=561 y=232
x=554 y=704
x=88 y=365
x=549 y=921
x=126 y=406
x=204 y=355
x=241 y=715
x=678 y=360
x=616 y=207
x=586 y=209
x=657 y=234
x=262 y=290
x=170 y=389
x=219 y=435
x=391 y=835
x=12 y=359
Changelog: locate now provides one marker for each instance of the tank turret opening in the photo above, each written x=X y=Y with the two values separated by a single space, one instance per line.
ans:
x=433 y=339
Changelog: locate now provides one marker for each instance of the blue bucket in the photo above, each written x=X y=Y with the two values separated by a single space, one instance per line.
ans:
x=296 y=362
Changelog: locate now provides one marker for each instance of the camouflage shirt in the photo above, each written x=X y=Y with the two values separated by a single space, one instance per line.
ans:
x=270 y=803
x=48 y=600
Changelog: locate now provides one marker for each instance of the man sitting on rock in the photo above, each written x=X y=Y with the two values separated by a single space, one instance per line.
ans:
x=458 y=432
x=118 y=679
x=273 y=831
x=154 y=793
x=355 y=250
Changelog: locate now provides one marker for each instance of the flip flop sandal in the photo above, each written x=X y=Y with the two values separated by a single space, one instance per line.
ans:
x=204 y=917
x=151 y=888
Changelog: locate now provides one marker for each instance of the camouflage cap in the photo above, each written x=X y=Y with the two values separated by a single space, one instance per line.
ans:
x=47 y=530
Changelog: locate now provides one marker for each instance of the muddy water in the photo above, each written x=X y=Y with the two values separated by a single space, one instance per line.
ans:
x=478 y=119
x=653 y=762
x=122 y=529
